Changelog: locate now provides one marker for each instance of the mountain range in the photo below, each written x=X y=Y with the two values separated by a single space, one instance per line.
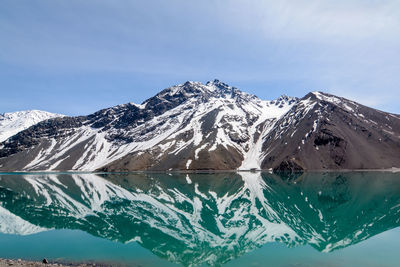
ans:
x=212 y=126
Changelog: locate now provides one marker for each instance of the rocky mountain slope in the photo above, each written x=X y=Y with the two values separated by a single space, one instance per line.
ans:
x=194 y=219
x=15 y=122
x=212 y=126
x=323 y=131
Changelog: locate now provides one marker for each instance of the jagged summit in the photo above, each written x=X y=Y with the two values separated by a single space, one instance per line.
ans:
x=191 y=89
x=217 y=83
x=194 y=126
x=211 y=90
x=284 y=99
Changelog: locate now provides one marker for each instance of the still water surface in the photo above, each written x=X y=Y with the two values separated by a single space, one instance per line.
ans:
x=225 y=219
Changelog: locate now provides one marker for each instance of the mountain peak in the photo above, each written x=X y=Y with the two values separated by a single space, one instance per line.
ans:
x=284 y=100
x=192 y=89
x=325 y=96
x=333 y=99
x=13 y=122
x=217 y=83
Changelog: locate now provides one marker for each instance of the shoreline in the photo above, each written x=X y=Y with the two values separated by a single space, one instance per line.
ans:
x=52 y=263
x=19 y=262
x=393 y=169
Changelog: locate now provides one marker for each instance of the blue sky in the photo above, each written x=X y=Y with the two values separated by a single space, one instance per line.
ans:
x=75 y=57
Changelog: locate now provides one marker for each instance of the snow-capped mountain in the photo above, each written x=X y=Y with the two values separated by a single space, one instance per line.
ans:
x=194 y=219
x=15 y=122
x=323 y=131
x=214 y=126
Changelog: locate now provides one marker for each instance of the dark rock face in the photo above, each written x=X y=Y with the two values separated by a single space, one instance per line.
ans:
x=327 y=138
x=212 y=127
x=288 y=166
x=57 y=128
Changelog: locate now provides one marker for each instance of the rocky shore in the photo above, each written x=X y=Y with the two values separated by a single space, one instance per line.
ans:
x=23 y=263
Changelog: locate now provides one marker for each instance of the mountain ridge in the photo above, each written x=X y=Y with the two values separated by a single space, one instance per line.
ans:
x=212 y=126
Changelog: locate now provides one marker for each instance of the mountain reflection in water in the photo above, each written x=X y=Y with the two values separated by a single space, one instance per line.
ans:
x=193 y=219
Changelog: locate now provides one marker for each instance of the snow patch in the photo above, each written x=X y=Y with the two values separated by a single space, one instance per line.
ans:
x=188 y=163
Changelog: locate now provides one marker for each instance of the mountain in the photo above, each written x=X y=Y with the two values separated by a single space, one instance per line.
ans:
x=323 y=131
x=15 y=122
x=212 y=126
x=194 y=219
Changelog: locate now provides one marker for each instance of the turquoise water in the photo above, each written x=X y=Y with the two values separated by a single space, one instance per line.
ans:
x=225 y=219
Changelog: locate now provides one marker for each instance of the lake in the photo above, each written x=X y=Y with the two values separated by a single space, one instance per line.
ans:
x=222 y=219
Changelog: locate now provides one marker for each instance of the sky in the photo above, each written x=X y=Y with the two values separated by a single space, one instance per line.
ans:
x=75 y=57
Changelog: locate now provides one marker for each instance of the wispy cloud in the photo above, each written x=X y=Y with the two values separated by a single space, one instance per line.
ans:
x=344 y=47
